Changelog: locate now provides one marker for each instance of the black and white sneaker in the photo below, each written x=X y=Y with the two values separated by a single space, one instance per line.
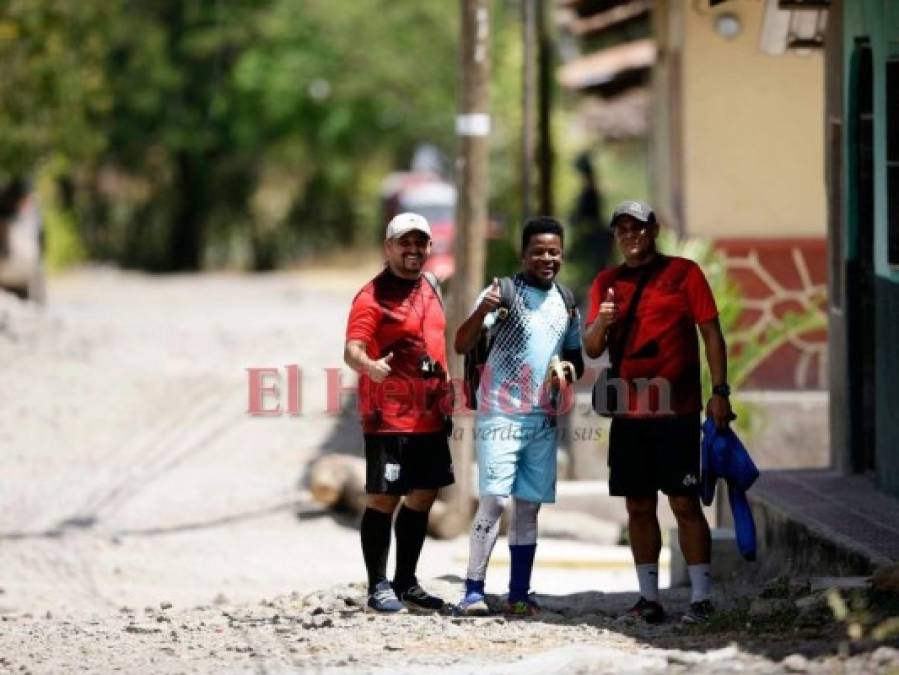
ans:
x=384 y=601
x=699 y=612
x=419 y=600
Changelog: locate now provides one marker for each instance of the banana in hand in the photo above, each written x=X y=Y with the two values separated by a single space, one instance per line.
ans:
x=564 y=370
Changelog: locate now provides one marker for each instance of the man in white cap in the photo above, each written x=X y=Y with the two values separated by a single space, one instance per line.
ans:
x=395 y=341
x=646 y=312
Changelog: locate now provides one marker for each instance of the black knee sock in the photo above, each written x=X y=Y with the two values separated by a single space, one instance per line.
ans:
x=411 y=527
x=375 y=532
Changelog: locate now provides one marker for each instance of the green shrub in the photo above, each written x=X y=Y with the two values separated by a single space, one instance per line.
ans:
x=745 y=350
x=64 y=247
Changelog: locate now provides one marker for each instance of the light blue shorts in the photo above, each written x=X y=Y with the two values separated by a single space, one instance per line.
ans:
x=517 y=456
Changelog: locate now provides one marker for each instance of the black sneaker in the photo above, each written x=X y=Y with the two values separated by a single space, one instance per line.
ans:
x=699 y=612
x=418 y=599
x=648 y=610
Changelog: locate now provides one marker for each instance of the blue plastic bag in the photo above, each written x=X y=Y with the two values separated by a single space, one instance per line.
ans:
x=725 y=456
x=744 y=524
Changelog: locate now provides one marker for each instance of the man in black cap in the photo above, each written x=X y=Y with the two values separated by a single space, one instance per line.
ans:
x=646 y=312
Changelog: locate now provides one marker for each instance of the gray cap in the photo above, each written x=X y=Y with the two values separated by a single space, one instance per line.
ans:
x=636 y=209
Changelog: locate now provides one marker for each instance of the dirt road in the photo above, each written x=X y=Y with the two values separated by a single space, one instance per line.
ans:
x=127 y=460
x=149 y=524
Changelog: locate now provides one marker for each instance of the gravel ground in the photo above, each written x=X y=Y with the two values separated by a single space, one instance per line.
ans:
x=329 y=632
x=150 y=525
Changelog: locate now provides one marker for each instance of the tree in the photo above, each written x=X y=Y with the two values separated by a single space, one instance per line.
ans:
x=248 y=131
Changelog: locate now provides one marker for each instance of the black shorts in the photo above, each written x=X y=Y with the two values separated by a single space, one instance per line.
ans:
x=398 y=463
x=656 y=453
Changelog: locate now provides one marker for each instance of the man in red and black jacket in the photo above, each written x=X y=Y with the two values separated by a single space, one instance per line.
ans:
x=395 y=341
x=654 y=442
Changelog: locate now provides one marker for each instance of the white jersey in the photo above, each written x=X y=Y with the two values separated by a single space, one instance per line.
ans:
x=537 y=327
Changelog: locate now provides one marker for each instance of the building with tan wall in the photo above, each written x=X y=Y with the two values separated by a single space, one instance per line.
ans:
x=737 y=157
x=750 y=126
x=736 y=121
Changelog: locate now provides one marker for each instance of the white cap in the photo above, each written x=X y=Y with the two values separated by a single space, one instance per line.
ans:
x=406 y=222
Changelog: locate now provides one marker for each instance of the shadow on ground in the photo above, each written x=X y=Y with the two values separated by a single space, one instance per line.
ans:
x=774 y=637
x=345 y=519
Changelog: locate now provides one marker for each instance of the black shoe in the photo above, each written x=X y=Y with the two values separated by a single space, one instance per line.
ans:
x=648 y=610
x=699 y=612
x=418 y=599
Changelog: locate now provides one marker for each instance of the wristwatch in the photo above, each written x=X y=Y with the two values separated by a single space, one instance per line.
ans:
x=721 y=390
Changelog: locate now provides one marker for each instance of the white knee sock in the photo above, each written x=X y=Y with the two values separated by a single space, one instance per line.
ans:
x=523 y=524
x=484 y=531
x=648 y=578
x=700 y=582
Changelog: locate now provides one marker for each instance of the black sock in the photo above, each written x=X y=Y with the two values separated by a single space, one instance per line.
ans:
x=411 y=527
x=375 y=532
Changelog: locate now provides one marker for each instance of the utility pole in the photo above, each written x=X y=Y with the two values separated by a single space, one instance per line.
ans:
x=536 y=106
x=545 y=88
x=473 y=130
x=529 y=10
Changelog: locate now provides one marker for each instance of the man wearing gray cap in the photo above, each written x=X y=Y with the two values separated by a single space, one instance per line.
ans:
x=645 y=312
x=395 y=341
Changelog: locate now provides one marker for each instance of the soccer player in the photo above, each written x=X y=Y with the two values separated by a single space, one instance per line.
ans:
x=395 y=341
x=515 y=426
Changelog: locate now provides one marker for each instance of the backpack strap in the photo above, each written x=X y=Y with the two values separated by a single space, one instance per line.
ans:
x=568 y=298
x=435 y=284
x=476 y=357
x=506 y=296
x=617 y=350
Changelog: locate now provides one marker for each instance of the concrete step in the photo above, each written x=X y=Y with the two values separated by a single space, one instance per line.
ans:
x=823 y=522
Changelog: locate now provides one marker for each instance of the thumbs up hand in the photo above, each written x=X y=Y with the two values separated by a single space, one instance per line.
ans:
x=380 y=369
x=608 y=310
x=491 y=299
